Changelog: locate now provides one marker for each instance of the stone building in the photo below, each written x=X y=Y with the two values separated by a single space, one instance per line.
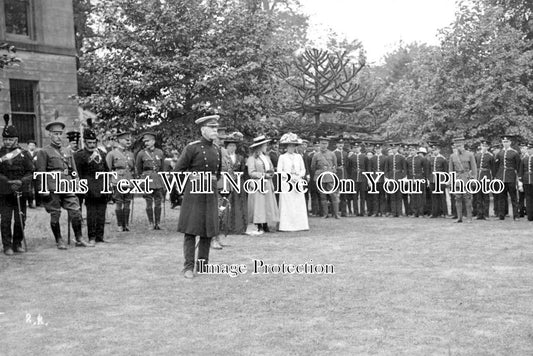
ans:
x=44 y=85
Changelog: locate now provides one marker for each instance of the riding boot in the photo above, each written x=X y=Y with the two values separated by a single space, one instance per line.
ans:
x=459 y=209
x=336 y=209
x=120 y=218
x=150 y=214
x=76 y=226
x=56 y=230
x=324 y=204
x=125 y=219
x=157 y=217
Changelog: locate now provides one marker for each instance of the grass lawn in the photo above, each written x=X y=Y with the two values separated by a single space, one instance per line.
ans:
x=402 y=287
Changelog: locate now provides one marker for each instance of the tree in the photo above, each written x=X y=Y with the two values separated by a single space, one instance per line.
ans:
x=326 y=82
x=162 y=64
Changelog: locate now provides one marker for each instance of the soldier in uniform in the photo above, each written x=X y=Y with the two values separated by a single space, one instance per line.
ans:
x=357 y=164
x=326 y=161
x=53 y=158
x=342 y=171
x=507 y=164
x=199 y=212
x=437 y=163
x=485 y=167
x=521 y=194
x=526 y=178
x=148 y=164
x=377 y=165
x=313 y=191
x=463 y=163
x=121 y=161
x=16 y=171
x=395 y=169
x=89 y=161
x=418 y=168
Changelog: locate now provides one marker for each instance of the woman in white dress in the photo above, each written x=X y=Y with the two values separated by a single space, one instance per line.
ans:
x=292 y=207
x=262 y=207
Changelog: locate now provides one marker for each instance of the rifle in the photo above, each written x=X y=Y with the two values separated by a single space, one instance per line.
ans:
x=21 y=217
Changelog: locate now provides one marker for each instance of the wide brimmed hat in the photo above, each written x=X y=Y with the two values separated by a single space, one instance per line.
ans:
x=290 y=139
x=234 y=137
x=259 y=140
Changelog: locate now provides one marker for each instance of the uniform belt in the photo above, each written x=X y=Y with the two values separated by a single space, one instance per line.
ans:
x=65 y=171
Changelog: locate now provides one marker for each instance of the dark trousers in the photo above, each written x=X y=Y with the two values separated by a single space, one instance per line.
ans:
x=438 y=201
x=407 y=207
x=189 y=245
x=521 y=204
x=174 y=197
x=418 y=200
x=483 y=202
x=396 y=203
x=509 y=188
x=379 y=203
x=96 y=208
x=528 y=196
x=360 y=197
x=8 y=211
x=153 y=205
x=343 y=202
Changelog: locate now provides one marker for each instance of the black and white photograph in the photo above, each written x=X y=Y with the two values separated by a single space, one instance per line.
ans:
x=266 y=177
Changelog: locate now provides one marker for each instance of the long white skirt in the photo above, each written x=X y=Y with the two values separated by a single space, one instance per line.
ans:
x=292 y=212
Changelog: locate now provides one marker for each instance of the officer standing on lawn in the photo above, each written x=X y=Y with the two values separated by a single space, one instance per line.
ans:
x=463 y=163
x=326 y=161
x=507 y=163
x=16 y=173
x=53 y=158
x=121 y=161
x=199 y=212
x=395 y=169
x=149 y=163
x=485 y=168
x=526 y=178
x=89 y=161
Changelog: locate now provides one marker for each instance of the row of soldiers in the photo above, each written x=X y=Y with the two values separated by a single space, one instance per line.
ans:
x=69 y=164
x=399 y=161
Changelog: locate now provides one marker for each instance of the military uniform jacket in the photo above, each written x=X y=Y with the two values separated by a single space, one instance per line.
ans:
x=324 y=162
x=507 y=165
x=121 y=161
x=437 y=163
x=485 y=165
x=464 y=165
x=377 y=164
x=18 y=168
x=89 y=163
x=417 y=167
x=395 y=166
x=274 y=157
x=53 y=158
x=199 y=212
x=526 y=170
x=148 y=164
x=342 y=163
x=357 y=164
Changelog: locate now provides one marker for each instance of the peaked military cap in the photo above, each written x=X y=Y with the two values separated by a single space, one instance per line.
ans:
x=55 y=126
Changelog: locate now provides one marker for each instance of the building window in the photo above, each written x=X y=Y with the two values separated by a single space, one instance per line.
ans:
x=24 y=108
x=18 y=17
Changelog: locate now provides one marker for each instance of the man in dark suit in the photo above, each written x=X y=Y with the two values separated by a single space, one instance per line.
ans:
x=199 y=212
x=89 y=161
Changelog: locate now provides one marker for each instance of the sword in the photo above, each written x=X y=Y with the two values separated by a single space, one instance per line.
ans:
x=21 y=217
